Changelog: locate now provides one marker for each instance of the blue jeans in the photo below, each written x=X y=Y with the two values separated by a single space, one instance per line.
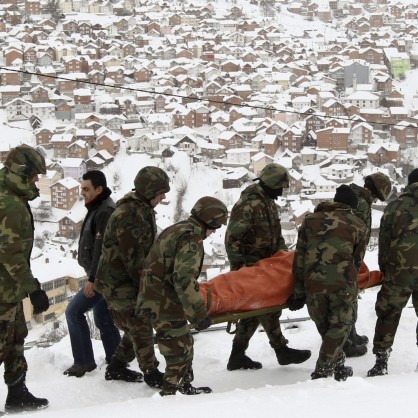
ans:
x=79 y=330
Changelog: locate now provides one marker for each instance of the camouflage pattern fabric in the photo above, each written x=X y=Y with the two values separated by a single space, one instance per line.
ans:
x=329 y=252
x=176 y=345
x=13 y=332
x=169 y=295
x=140 y=333
x=254 y=233
x=398 y=243
x=169 y=290
x=333 y=317
x=391 y=300
x=381 y=184
x=128 y=238
x=275 y=176
x=151 y=181
x=398 y=252
x=16 y=238
x=364 y=208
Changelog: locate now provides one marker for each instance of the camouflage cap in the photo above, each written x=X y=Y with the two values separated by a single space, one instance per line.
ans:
x=381 y=185
x=25 y=161
x=274 y=176
x=211 y=211
x=151 y=181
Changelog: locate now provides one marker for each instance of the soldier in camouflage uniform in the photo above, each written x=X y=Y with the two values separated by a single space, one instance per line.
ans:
x=376 y=186
x=398 y=254
x=169 y=292
x=329 y=251
x=129 y=235
x=254 y=233
x=17 y=188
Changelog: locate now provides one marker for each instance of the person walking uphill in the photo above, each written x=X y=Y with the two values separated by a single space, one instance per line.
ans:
x=398 y=255
x=17 y=188
x=254 y=233
x=329 y=252
x=129 y=235
x=169 y=292
x=99 y=206
x=377 y=186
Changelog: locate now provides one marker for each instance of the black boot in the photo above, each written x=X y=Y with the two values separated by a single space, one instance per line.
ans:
x=79 y=371
x=341 y=372
x=154 y=378
x=239 y=360
x=381 y=366
x=19 y=399
x=286 y=355
x=353 y=350
x=188 y=389
x=117 y=370
x=321 y=372
x=357 y=339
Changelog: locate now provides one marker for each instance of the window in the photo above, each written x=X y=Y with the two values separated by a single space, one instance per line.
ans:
x=47 y=286
x=59 y=283
x=60 y=298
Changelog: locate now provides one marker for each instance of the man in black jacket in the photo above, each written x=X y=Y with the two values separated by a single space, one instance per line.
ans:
x=99 y=206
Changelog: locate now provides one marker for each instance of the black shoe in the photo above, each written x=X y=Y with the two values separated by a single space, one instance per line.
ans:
x=19 y=399
x=341 y=373
x=242 y=361
x=127 y=375
x=188 y=389
x=154 y=378
x=286 y=355
x=354 y=350
x=79 y=371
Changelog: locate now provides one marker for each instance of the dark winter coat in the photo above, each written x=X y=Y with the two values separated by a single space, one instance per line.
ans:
x=92 y=232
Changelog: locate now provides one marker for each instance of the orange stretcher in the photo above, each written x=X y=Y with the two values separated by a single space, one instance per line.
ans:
x=262 y=288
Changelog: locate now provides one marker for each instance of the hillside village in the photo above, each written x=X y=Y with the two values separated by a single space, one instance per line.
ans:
x=312 y=85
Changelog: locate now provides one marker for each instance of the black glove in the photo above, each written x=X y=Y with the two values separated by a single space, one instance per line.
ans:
x=203 y=324
x=294 y=304
x=39 y=300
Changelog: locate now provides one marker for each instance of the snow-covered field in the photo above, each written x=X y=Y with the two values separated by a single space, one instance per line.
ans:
x=273 y=390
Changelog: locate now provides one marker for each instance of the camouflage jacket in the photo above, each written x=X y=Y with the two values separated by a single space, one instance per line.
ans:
x=329 y=250
x=92 y=232
x=169 y=290
x=398 y=238
x=254 y=231
x=364 y=208
x=129 y=235
x=16 y=239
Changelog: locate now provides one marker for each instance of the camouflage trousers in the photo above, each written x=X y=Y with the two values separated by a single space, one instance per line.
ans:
x=333 y=315
x=390 y=302
x=13 y=332
x=270 y=322
x=176 y=345
x=141 y=337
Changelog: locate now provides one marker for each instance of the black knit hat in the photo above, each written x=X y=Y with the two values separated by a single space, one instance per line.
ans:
x=345 y=194
x=413 y=177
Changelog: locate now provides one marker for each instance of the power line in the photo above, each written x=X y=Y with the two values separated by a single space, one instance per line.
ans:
x=201 y=99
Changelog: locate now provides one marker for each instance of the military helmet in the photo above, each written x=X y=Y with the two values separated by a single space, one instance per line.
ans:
x=211 y=211
x=151 y=181
x=274 y=176
x=381 y=185
x=25 y=161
